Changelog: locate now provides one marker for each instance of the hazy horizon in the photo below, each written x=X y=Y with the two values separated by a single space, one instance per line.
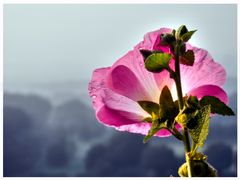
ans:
x=60 y=43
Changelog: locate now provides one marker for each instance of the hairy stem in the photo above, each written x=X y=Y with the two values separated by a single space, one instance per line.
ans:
x=177 y=79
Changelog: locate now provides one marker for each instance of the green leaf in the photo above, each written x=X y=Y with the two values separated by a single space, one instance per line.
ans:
x=200 y=132
x=156 y=62
x=181 y=31
x=156 y=126
x=150 y=107
x=187 y=58
x=185 y=37
x=217 y=106
x=192 y=123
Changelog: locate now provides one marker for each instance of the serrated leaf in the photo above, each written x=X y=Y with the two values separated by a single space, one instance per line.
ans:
x=192 y=123
x=185 y=37
x=150 y=107
x=200 y=132
x=156 y=62
x=156 y=126
x=187 y=58
x=217 y=106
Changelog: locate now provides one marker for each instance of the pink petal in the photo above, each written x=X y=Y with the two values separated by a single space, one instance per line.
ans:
x=112 y=117
x=204 y=72
x=96 y=85
x=209 y=90
x=134 y=61
x=123 y=81
x=152 y=40
x=126 y=107
x=162 y=79
x=143 y=128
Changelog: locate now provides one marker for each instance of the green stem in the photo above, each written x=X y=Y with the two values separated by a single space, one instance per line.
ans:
x=177 y=79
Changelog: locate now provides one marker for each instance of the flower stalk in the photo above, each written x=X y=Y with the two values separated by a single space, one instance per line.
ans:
x=177 y=79
x=192 y=113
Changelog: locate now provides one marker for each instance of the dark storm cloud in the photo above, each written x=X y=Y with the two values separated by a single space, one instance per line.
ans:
x=224 y=128
x=76 y=119
x=61 y=153
x=22 y=148
x=126 y=155
x=221 y=156
x=31 y=138
x=35 y=146
x=36 y=106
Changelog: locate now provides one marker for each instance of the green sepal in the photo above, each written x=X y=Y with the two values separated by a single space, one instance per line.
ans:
x=200 y=132
x=192 y=101
x=200 y=168
x=145 y=53
x=181 y=31
x=217 y=106
x=150 y=107
x=187 y=116
x=156 y=126
x=182 y=49
x=182 y=119
x=167 y=39
x=148 y=120
x=185 y=37
x=168 y=109
x=162 y=115
x=166 y=97
x=191 y=104
x=187 y=58
x=157 y=62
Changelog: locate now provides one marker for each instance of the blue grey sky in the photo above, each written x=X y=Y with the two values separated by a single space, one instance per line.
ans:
x=59 y=43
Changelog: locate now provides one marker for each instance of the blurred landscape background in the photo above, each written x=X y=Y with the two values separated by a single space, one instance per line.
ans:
x=50 y=52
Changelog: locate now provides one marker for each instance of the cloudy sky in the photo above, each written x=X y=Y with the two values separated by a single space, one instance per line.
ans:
x=47 y=43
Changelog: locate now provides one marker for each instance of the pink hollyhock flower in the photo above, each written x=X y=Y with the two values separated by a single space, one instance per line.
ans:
x=115 y=90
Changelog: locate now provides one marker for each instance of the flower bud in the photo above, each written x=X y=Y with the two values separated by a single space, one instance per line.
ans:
x=200 y=169
x=167 y=39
